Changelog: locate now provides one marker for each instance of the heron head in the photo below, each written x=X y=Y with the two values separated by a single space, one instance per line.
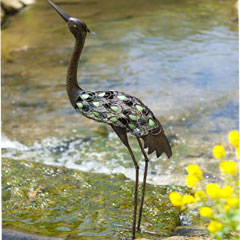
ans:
x=76 y=26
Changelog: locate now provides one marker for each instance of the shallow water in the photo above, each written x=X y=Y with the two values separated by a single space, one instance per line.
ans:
x=179 y=57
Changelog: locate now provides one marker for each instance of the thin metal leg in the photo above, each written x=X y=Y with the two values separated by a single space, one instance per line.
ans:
x=136 y=192
x=143 y=185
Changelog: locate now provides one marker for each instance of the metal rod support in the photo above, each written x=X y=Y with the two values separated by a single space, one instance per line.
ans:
x=143 y=185
x=135 y=193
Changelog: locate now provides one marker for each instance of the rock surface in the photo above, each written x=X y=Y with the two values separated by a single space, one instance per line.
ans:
x=8 y=234
x=13 y=6
x=60 y=202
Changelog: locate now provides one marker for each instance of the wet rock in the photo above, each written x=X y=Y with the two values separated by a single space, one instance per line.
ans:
x=187 y=238
x=2 y=14
x=102 y=130
x=11 y=6
x=235 y=12
x=28 y=2
x=189 y=233
x=61 y=202
x=16 y=235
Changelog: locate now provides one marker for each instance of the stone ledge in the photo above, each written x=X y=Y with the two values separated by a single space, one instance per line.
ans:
x=9 y=7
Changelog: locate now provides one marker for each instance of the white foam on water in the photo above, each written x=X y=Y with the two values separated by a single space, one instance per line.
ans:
x=76 y=158
x=8 y=144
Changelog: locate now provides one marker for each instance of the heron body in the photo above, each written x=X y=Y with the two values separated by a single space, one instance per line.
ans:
x=124 y=113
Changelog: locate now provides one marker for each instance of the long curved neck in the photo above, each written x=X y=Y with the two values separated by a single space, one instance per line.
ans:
x=73 y=88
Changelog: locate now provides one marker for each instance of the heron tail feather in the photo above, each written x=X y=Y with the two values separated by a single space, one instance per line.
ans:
x=158 y=143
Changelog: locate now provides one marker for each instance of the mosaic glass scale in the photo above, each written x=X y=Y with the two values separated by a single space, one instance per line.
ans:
x=118 y=109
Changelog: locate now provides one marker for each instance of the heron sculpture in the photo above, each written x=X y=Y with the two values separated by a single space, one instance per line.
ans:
x=124 y=113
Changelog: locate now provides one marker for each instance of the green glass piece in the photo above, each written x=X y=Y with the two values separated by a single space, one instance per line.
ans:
x=96 y=114
x=122 y=97
x=132 y=126
x=96 y=104
x=151 y=123
x=85 y=96
x=113 y=119
x=80 y=105
x=133 y=117
x=114 y=108
x=101 y=94
x=139 y=108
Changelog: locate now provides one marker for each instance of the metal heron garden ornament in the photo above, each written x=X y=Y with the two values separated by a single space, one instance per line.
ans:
x=124 y=113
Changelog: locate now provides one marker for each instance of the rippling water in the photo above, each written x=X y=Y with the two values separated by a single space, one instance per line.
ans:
x=179 y=57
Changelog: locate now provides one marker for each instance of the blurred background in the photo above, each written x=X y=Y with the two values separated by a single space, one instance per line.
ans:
x=180 y=57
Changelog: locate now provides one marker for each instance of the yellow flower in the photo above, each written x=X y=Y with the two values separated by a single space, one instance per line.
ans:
x=233 y=138
x=213 y=191
x=188 y=199
x=214 y=226
x=191 y=180
x=228 y=167
x=232 y=201
x=226 y=191
x=200 y=196
x=176 y=199
x=227 y=207
x=194 y=170
x=205 y=212
x=219 y=151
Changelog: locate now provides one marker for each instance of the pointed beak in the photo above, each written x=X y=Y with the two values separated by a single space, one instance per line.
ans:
x=60 y=11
